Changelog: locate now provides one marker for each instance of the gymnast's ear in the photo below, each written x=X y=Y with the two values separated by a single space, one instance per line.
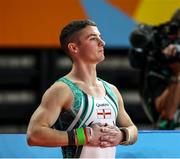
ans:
x=73 y=48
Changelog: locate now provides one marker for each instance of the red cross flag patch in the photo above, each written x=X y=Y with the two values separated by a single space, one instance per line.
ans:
x=103 y=113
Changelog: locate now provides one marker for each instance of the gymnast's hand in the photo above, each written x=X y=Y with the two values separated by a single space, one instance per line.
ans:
x=112 y=136
x=104 y=135
x=94 y=134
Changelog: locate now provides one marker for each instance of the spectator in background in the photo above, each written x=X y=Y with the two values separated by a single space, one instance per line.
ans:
x=81 y=112
x=160 y=72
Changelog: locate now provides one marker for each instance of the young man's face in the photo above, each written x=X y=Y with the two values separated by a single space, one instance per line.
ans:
x=90 y=45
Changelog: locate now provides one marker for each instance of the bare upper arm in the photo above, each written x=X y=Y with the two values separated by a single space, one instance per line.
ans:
x=57 y=97
x=123 y=117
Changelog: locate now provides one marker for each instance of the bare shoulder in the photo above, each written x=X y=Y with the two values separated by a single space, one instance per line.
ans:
x=117 y=92
x=57 y=94
x=114 y=88
x=56 y=89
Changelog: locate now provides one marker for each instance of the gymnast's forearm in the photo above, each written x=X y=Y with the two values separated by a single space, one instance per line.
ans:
x=45 y=136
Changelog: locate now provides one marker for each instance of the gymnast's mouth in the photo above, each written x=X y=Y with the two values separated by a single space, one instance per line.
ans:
x=101 y=51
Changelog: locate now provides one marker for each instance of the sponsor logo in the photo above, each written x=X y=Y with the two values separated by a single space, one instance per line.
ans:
x=102 y=104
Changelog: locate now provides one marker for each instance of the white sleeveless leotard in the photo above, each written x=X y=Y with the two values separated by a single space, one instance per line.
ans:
x=86 y=110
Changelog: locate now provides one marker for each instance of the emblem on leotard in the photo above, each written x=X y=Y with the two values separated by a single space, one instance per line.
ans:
x=103 y=113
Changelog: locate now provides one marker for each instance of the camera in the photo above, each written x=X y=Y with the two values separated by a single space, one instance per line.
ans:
x=151 y=40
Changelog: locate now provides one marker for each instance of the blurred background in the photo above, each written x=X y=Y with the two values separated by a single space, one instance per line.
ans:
x=31 y=58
